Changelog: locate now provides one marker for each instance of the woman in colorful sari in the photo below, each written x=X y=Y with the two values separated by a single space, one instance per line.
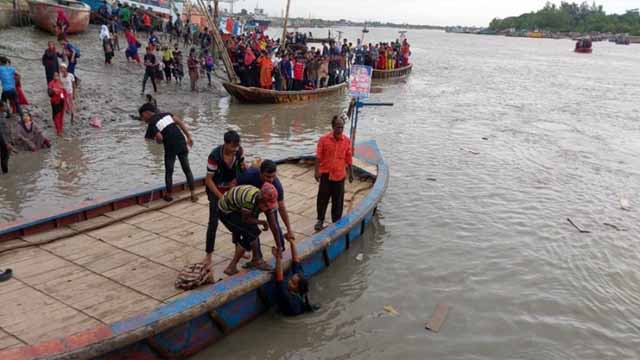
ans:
x=57 y=95
x=266 y=71
x=29 y=136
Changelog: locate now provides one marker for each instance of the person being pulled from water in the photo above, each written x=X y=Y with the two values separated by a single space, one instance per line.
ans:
x=292 y=296
x=333 y=163
x=224 y=164
x=240 y=208
x=171 y=131
x=268 y=174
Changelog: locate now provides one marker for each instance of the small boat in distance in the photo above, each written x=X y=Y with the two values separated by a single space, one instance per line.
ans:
x=583 y=46
x=364 y=29
x=44 y=14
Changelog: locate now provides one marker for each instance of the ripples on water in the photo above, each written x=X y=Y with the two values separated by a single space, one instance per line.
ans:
x=489 y=237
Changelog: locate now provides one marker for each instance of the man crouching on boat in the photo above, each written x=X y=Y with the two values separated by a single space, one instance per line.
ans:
x=292 y=295
x=240 y=208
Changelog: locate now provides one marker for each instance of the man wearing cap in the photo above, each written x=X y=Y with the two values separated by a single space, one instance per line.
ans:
x=240 y=208
x=333 y=163
x=170 y=130
x=267 y=173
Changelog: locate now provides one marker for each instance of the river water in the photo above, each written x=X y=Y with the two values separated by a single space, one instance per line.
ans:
x=519 y=135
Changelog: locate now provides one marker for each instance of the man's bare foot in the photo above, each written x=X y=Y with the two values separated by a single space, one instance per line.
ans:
x=230 y=272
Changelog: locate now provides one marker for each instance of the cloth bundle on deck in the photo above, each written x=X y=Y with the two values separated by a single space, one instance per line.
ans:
x=193 y=276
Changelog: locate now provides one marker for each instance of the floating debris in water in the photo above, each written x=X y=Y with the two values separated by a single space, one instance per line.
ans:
x=360 y=257
x=582 y=231
x=437 y=318
x=625 y=204
x=391 y=310
x=615 y=227
x=470 y=151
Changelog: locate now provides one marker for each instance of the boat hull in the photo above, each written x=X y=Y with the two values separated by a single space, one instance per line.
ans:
x=390 y=74
x=44 y=15
x=584 y=51
x=196 y=320
x=252 y=95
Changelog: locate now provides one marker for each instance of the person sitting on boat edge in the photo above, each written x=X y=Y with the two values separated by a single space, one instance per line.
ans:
x=292 y=296
x=267 y=173
x=224 y=164
x=240 y=209
x=168 y=129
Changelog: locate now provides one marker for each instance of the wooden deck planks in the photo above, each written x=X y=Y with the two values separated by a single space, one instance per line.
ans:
x=129 y=267
x=33 y=316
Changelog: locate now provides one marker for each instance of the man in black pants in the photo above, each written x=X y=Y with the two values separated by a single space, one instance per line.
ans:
x=223 y=167
x=333 y=164
x=151 y=67
x=5 y=148
x=166 y=128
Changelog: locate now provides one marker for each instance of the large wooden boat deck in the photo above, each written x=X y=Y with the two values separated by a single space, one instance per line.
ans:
x=123 y=263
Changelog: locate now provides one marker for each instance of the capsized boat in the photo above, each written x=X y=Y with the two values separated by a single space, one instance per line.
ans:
x=97 y=280
x=254 y=95
x=44 y=14
x=390 y=74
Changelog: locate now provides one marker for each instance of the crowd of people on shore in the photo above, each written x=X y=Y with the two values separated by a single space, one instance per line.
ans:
x=238 y=194
x=259 y=62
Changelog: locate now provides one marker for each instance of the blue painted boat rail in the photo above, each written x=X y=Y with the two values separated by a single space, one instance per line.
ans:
x=188 y=324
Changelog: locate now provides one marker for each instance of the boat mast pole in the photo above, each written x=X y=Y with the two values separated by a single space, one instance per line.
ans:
x=283 y=41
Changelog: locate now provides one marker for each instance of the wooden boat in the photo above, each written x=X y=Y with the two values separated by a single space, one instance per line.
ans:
x=44 y=14
x=255 y=95
x=97 y=280
x=583 y=46
x=584 y=50
x=389 y=74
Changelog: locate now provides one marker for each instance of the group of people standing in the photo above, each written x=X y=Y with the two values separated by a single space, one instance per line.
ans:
x=238 y=194
x=383 y=56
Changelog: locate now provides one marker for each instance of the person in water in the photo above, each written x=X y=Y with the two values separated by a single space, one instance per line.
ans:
x=57 y=97
x=224 y=164
x=107 y=44
x=68 y=81
x=172 y=132
x=292 y=296
x=240 y=208
x=29 y=136
x=62 y=25
x=50 y=61
x=333 y=164
x=150 y=69
x=5 y=146
x=8 y=81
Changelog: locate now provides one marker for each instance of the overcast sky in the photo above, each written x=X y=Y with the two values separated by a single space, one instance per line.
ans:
x=431 y=12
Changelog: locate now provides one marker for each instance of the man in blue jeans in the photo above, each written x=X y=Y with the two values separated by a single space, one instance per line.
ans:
x=8 y=80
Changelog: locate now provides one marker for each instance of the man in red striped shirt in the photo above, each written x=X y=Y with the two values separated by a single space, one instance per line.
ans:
x=333 y=163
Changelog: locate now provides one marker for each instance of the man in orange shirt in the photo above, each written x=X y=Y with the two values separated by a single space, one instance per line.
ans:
x=333 y=163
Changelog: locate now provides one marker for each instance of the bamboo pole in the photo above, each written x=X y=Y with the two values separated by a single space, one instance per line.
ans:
x=226 y=60
x=283 y=41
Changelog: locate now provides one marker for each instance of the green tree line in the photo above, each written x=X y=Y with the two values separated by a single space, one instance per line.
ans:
x=572 y=17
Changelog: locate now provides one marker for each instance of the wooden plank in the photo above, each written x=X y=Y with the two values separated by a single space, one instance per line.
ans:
x=36 y=266
x=35 y=317
x=11 y=243
x=437 y=318
x=123 y=235
x=91 y=223
x=49 y=235
x=90 y=253
x=126 y=212
x=146 y=277
x=8 y=341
